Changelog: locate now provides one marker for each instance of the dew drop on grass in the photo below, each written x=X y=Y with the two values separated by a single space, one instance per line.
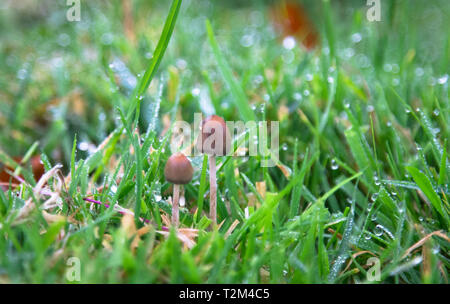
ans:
x=436 y=112
x=83 y=146
x=306 y=92
x=309 y=77
x=367 y=236
x=419 y=72
x=378 y=230
x=443 y=79
x=374 y=197
x=376 y=180
x=334 y=165
x=289 y=42
x=195 y=91
x=374 y=217
x=356 y=37
x=284 y=147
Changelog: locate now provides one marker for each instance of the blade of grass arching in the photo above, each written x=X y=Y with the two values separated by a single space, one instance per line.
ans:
x=201 y=190
x=443 y=168
x=427 y=188
x=72 y=158
x=252 y=188
x=344 y=246
x=297 y=191
x=237 y=91
x=157 y=56
x=329 y=28
x=360 y=154
x=338 y=186
x=424 y=121
x=139 y=177
x=331 y=98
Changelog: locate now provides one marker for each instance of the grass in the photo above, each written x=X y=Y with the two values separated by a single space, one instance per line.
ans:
x=364 y=127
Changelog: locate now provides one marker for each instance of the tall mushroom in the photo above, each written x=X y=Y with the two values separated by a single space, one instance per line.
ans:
x=178 y=171
x=214 y=140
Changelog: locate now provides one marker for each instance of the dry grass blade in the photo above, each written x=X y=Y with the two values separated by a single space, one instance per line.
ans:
x=423 y=240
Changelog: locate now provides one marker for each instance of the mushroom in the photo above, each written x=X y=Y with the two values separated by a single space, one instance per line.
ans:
x=178 y=171
x=214 y=140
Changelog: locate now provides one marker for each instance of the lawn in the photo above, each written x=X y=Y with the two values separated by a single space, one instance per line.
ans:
x=358 y=187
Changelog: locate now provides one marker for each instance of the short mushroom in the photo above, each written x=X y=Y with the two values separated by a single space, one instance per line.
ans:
x=178 y=171
x=214 y=140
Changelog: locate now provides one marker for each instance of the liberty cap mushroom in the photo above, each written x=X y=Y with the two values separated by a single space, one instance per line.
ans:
x=214 y=140
x=178 y=171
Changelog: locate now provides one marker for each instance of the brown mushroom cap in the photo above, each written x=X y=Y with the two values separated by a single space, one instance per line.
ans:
x=178 y=169
x=209 y=126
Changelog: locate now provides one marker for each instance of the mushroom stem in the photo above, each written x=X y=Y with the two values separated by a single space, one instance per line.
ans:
x=213 y=189
x=175 y=205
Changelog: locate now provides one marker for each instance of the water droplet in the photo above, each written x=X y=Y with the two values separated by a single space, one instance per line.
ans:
x=349 y=201
x=83 y=146
x=22 y=74
x=330 y=79
x=356 y=37
x=374 y=197
x=297 y=96
x=247 y=40
x=376 y=180
x=374 y=217
x=107 y=38
x=367 y=236
x=63 y=40
x=113 y=188
x=284 y=147
x=334 y=165
x=420 y=219
x=378 y=230
x=195 y=91
x=419 y=72
x=289 y=42
x=443 y=79
x=370 y=108
x=436 y=112
x=306 y=92
x=309 y=77
x=347 y=105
